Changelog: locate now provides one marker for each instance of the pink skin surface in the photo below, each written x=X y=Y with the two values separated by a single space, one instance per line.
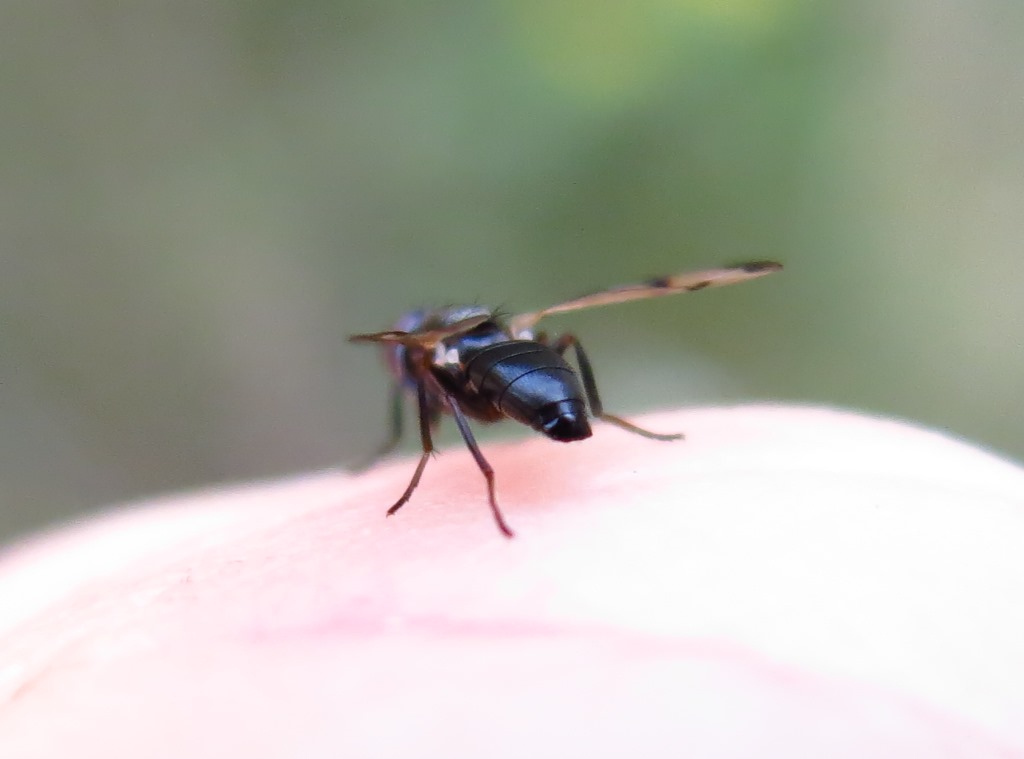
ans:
x=786 y=582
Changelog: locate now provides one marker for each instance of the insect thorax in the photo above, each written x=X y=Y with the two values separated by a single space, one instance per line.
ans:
x=447 y=362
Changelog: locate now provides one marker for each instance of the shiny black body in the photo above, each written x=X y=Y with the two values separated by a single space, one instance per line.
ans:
x=528 y=381
x=467 y=362
x=494 y=376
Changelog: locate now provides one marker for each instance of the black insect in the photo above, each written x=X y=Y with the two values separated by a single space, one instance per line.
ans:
x=466 y=361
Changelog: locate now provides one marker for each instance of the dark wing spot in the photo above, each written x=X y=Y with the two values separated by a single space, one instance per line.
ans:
x=659 y=282
x=698 y=286
x=755 y=266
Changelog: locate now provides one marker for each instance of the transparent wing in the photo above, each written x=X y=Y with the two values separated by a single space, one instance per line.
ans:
x=655 y=288
x=427 y=338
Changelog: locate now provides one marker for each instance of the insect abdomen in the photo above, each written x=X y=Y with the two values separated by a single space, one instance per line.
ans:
x=532 y=384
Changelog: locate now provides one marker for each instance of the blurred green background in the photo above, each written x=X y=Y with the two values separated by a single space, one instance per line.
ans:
x=199 y=201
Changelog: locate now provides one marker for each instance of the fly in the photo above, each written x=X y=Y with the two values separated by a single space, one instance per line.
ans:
x=469 y=363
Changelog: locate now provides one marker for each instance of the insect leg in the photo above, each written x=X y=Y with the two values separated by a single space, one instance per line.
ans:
x=561 y=345
x=488 y=471
x=426 y=442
